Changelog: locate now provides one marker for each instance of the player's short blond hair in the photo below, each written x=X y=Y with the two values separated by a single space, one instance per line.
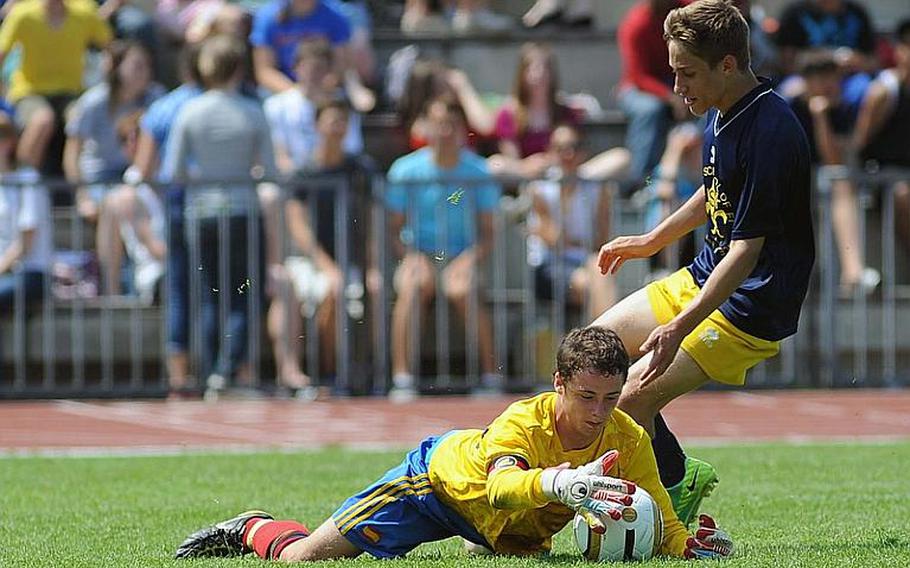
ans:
x=710 y=30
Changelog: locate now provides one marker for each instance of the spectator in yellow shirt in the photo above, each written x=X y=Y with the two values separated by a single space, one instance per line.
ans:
x=53 y=36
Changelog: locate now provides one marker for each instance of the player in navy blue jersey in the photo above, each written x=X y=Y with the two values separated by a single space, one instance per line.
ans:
x=730 y=308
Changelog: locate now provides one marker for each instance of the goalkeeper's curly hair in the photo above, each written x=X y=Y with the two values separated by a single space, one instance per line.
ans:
x=596 y=349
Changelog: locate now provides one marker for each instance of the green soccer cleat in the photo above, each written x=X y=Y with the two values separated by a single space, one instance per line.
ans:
x=223 y=539
x=697 y=483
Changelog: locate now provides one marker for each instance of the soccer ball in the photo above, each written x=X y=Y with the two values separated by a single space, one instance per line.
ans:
x=636 y=536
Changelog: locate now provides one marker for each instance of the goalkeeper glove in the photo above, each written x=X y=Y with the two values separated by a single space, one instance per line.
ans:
x=601 y=465
x=587 y=490
x=709 y=541
x=605 y=504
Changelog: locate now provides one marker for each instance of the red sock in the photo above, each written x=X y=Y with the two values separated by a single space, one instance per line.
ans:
x=273 y=536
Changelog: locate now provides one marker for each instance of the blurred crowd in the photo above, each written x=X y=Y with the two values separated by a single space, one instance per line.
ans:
x=175 y=129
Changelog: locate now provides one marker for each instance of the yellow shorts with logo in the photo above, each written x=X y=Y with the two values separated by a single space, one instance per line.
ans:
x=723 y=351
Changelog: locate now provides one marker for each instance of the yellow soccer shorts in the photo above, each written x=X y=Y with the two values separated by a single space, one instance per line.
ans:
x=723 y=351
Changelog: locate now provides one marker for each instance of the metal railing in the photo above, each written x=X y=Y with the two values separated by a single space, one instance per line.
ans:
x=859 y=342
x=80 y=343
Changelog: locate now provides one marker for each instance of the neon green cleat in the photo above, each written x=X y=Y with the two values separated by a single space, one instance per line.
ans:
x=697 y=483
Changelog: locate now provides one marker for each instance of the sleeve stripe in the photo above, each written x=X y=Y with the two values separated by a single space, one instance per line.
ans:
x=508 y=461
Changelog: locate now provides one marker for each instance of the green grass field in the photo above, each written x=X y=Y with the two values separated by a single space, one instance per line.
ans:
x=831 y=505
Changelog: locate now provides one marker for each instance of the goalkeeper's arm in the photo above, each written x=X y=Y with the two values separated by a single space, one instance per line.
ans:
x=512 y=484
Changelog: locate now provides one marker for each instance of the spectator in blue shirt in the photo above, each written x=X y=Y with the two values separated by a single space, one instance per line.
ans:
x=439 y=198
x=154 y=133
x=282 y=24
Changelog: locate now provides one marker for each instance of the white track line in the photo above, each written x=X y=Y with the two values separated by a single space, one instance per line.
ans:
x=136 y=415
x=187 y=450
x=245 y=449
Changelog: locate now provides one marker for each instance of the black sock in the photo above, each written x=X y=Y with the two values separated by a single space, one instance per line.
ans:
x=671 y=459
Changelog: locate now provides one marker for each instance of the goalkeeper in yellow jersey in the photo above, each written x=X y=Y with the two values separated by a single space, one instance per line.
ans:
x=507 y=489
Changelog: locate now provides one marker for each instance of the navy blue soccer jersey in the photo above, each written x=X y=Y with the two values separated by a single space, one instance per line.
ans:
x=756 y=169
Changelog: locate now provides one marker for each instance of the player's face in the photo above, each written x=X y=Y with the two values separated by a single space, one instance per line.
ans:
x=588 y=399
x=700 y=85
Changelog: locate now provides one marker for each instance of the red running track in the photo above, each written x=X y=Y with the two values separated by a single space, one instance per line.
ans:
x=77 y=427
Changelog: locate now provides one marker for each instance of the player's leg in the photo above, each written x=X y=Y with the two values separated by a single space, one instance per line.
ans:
x=687 y=479
x=325 y=543
x=392 y=516
x=632 y=319
x=257 y=532
x=644 y=405
x=644 y=402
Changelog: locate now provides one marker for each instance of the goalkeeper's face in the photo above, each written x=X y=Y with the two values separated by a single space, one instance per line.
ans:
x=587 y=399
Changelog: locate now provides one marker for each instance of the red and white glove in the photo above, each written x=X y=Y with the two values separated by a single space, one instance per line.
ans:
x=588 y=490
x=709 y=541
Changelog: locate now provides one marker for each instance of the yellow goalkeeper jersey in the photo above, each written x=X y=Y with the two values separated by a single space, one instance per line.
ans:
x=508 y=507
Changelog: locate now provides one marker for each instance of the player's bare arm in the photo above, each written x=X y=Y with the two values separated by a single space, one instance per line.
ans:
x=682 y=222
x=665 y=340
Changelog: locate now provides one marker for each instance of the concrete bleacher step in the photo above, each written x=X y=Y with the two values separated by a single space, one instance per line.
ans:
x=115 y=326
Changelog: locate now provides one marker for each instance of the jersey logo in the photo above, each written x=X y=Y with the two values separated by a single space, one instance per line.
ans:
x=503 y=462
x=578 y=490
x=709 y=336
x=372 y=534
x=720 y=213
x=713 y=157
